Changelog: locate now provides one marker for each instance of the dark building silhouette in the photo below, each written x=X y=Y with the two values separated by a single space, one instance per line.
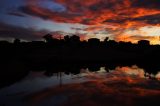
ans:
x=16 y=41
x=94 y=41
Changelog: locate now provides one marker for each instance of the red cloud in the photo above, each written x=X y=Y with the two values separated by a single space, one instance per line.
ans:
x=94 y=12
x=105 y=14
x=106 y=89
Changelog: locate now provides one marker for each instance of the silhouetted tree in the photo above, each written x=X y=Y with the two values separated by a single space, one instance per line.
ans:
x=106 y=39
x=48 y=38
x=67 y=38
x=51 y=41
x=73 y=38
x=144 y=42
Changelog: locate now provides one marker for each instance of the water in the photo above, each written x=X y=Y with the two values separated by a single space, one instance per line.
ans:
x=120 y=86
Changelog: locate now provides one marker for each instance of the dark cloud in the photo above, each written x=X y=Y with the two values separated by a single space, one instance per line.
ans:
x=94 y=12
x=29 y=11
x=84 y=11
x=77 y=29
x=141 y=37
x=152 y=4
x=150 y=19
x=17 y=14
x=10 y=31
x=46 y=14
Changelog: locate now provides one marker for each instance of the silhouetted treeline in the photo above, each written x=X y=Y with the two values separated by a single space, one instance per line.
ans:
x=72 y=49
x=15 y=70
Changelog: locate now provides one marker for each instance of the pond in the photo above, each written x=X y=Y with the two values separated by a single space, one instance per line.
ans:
x=123 y=85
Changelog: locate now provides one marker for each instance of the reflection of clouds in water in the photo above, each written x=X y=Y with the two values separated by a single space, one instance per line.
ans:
x=158 y=76
x=127 y=73
x=134 y=70
x=124 y=86
x=96 y=93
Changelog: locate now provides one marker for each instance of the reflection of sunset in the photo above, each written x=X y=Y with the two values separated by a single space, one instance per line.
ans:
x=158 y=76
x=106 y=89
x=134 y=70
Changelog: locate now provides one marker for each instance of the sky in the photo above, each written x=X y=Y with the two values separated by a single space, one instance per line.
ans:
x=120 y=20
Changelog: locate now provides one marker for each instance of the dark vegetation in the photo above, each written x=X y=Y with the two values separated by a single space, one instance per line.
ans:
x=71 y=49
x=69 y=55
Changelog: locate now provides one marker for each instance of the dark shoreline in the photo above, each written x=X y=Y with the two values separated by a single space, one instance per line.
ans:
x=70 y=55
x=15 y=70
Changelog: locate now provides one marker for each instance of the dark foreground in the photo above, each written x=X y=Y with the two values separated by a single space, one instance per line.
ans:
x=73 y=73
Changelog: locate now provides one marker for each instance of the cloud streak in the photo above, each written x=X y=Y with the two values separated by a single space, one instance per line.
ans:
x=95 y=12
x=10 y=31
x=114 y=16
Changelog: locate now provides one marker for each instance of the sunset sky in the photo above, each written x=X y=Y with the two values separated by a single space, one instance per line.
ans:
x=121 y=20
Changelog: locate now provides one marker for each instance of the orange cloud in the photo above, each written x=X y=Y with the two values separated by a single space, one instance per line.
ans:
x=135 y=39
x=110 y=15
x=104 y=89
x=91 y=12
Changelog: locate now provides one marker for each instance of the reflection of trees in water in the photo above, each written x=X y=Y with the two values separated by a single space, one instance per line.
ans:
x=150 y=69
x=14 y=71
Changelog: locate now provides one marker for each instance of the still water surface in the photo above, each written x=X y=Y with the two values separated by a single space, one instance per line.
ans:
x=127 y=86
